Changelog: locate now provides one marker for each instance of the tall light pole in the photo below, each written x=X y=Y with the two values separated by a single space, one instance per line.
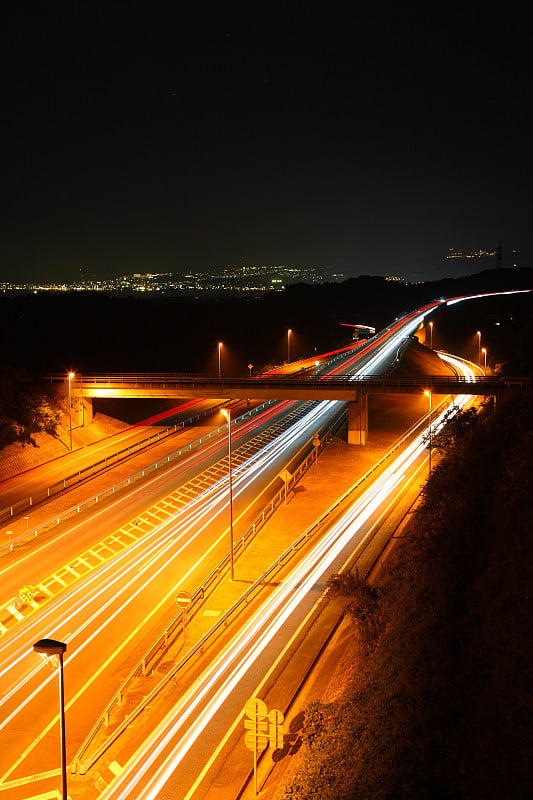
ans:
x=428 y=394
x=289 y=344
x=431 y=335
x=227 y=414
x=70 y=376
x=479 y=347
x=484 y=351
x=219 y=349
x=48 y=648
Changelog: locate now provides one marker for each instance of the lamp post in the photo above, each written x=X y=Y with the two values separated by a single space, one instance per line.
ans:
x=431 y=335
x=479 y=347
x=428 y=394
x=48 y=648
x=289 y=344
x=70 y=376
x=227 y=413
x=219 y=349
x=484 y=351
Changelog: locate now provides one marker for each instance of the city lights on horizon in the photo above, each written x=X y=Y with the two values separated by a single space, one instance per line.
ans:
x=249 y=278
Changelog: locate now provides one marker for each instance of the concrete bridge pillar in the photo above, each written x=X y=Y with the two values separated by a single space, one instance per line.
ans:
x=81 y=409
x=358 y=419
x=87 y=413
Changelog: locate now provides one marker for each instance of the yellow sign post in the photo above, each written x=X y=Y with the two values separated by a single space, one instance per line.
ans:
x=262 y=728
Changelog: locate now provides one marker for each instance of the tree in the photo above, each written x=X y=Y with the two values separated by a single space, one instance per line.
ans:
x=456 y=426
x=24 y=412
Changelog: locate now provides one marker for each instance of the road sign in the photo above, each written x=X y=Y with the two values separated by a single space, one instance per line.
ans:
x=255 y=742
x=285 y=476
x=183 y=599
x=256 y=737
x=275 y=729
x=255 y=707
x=262 y=728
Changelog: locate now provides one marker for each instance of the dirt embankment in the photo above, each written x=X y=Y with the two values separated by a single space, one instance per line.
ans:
x=18 y=457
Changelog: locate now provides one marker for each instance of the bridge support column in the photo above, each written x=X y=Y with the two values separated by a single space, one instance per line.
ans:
x=87 y=413
x=358 y=419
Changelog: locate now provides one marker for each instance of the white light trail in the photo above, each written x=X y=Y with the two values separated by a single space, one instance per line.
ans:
x=487 y=294
x=165 y=745
x=120 y=577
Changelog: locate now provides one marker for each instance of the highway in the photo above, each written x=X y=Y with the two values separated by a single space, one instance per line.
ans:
x=165 y=764
x=107 y=615
x=35 y=482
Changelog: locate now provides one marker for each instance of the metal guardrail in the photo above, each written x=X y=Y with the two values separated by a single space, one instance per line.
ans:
x=82 y=766
x=155 y=650
x=77 y=477
x=45 y=526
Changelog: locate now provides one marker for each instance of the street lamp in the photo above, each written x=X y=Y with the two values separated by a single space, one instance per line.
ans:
x=428 y=394
x=289 y=344
x=70 y=376
x=48 y=648
x=431 y=335
x=479 y=347
x=227 y=413
x=219 y=349
x=484 y=351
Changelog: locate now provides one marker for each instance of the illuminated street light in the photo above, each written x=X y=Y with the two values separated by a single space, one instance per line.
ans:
x=431 y=335
x=219 y=349
x=289 y=344
x=70 y=376
x=478 y=333
x=428 y=394
x=49 y=648
x=484 y=351
x=227 y=414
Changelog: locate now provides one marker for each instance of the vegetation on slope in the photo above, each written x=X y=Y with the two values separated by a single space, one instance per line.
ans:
x=24 y=411
x=441 y=706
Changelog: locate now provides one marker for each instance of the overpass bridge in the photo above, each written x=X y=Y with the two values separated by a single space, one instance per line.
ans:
x=354 y=389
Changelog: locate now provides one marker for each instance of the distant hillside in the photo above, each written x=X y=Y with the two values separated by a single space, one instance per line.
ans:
x=97 y=332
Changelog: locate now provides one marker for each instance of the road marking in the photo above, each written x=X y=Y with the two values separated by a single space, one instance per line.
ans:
x=255 y=693
x=32 y=779
x=355 y=554
x=154 y=611
x=14 y=612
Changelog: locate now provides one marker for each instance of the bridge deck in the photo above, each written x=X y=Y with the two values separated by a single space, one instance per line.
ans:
x=282 y=387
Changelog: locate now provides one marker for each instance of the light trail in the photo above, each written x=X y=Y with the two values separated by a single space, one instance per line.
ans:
x=221 y=678
x=123 y=571
x=117 y=577
x=455 y=300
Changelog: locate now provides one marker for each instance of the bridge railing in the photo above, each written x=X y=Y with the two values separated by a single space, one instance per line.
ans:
x=175 y=380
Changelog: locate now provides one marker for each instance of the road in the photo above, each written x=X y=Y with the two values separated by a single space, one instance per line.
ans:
x=106 y=615
x=170 y=761
x=17 y=490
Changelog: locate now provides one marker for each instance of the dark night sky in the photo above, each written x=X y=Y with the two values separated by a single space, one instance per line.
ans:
x=146 y=137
